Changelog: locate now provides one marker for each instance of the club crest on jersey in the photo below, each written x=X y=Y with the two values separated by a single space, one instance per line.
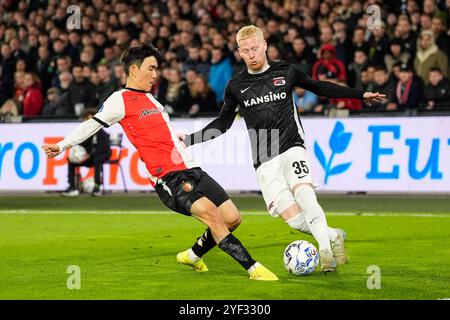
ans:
x=187 y=186
x=279 y=81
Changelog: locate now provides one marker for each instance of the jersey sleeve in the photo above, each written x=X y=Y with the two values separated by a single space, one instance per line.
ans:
x=81 y=133
x=323 y=88
x=219 y=125
x=112 y=110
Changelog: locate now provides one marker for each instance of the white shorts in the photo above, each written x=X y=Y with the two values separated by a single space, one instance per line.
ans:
x=278 y=176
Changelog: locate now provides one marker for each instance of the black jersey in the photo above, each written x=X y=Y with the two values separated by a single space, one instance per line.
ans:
x=265 y=102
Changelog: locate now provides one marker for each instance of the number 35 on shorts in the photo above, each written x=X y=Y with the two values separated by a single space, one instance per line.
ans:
x=300 y=168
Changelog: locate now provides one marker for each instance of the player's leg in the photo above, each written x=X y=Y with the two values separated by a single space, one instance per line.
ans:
x=229 y=212
x=204 y=210
x=232 y=219
x=297 y=173
x=296 y=220
x=316 y=221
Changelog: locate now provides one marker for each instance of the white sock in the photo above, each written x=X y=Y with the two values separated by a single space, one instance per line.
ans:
x=192 y=256
x=298 y=222
x=253 y=267
x=314 y=216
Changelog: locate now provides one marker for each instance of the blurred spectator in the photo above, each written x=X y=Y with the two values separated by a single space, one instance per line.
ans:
x=43 y=67
x=220 y=73
x=190 y=77
x=442 y=39
x=429 y=56
x=13 y=106
x=396 y=54
x=305 y=101
x=405 y=34
x=33 y=101
x=359 y=41
x=367 y=78
x=408 y=92
x=379 y=45
x=437 y=91
x=106 y=86
x=300 y=54
x=344 y=48
x=360 y=61
x=328 y=67
x=57 y=100
x=81 y=92
x=203 y=98
x=193 y=62
x=174 y=94
x=120 y=76
x=273 y=53
x=62 y=65
x=16 y=51
x=8 y=64
x=383 y=84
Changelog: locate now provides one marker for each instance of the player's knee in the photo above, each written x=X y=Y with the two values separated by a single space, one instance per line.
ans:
x=211 y=216
x=305 y=196
x=298 y=223
x=234 y=222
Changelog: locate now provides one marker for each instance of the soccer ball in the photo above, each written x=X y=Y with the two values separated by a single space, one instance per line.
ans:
x=300 y=258
x=88 y=185
x=77 y=154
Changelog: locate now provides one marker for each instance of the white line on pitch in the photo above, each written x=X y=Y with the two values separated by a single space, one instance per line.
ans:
x=149 y=212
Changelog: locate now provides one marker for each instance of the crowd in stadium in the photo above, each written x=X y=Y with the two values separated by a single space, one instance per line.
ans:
x=48 y=70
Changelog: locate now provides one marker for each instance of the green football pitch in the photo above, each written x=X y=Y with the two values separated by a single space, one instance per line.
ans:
x=124 y=247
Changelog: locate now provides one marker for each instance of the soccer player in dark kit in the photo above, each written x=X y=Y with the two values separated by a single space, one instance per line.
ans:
x=180 y=183
x=263 y=94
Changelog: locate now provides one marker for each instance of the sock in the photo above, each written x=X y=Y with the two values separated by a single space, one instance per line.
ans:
x=314 y=216
x=192 y=256
x=204 y=243
x=298 y=223
x=231 y=245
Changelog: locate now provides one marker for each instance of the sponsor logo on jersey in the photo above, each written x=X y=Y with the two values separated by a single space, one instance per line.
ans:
x=266 y=98
x=279 y=81
x=147 y=112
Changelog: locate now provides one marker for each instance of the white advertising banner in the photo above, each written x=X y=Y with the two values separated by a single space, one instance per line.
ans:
x=347 y=155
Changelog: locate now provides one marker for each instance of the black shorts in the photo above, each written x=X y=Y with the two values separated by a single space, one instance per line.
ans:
x=179 y=190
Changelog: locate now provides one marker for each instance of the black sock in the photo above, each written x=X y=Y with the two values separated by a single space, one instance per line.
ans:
x=203 y=244
x=231 y=245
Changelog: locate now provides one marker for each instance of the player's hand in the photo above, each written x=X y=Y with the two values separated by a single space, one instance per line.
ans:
x=372 y=98
x=51 y=150
x=181 y=136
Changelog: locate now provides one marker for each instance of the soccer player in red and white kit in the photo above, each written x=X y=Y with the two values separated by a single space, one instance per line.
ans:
x=180 y=183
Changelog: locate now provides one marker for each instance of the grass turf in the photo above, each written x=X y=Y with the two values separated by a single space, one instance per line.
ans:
x=129 y=255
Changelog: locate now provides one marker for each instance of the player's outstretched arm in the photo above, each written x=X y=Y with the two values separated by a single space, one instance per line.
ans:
x=82 y=132
x=332 y=90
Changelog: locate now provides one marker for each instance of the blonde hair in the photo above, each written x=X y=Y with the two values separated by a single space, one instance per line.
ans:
x=248 y=32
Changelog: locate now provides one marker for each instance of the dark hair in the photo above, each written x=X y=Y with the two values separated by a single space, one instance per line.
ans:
x=136 y=55
x=79 y=65
x=435 y=69
x=381 y=68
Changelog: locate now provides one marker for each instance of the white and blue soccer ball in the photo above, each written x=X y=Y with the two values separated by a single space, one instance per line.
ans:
x=300 y=258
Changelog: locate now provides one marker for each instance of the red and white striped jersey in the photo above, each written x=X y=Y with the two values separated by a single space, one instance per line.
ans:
x=147 y=126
